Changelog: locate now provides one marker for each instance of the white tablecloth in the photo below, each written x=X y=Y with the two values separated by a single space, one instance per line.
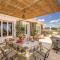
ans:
x=46 y=42
x=30 y=44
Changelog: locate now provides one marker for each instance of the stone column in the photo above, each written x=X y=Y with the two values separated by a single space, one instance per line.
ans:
x=14 y=29
x=28 y=28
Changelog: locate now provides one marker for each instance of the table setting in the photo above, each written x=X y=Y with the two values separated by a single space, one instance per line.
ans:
x=29 y=47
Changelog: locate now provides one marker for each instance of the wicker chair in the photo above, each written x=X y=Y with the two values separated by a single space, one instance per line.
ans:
x=56 y=46
x=43 y=51
x=7 y=52
x=1 y=54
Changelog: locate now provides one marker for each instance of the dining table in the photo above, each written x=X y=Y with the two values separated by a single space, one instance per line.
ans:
x=32 y=46
x=29 y=46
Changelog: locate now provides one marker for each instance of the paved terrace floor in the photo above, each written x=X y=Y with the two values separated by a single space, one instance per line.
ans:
x=54 y=56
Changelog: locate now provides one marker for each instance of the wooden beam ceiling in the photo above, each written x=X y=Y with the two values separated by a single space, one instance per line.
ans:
x=32 y=8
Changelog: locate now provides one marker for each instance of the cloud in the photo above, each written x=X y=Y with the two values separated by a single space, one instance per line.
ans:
x=54 y=21
x=45 y=24
x=42 y=20
x=59 y=23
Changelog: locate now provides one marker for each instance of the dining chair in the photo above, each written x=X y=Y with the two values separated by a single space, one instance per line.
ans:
x=56 y=46
x=7 y=52
x=11 y=55
x=1 y=54
x=43 y=52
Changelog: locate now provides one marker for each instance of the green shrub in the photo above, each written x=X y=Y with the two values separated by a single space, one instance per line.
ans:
x=19 y=29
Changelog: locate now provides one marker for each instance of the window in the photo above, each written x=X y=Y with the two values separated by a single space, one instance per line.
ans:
x=4 y=28
x=0 y=28
x=9 y=28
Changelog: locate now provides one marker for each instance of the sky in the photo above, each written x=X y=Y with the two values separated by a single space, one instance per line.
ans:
x=50 y=20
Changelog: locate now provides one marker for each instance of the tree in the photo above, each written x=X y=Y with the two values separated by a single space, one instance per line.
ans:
x=19 y=29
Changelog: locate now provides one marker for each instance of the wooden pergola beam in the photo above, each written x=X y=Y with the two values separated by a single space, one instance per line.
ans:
x=41 y=7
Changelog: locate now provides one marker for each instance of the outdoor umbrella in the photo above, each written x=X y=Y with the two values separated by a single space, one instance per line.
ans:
x=28 y=8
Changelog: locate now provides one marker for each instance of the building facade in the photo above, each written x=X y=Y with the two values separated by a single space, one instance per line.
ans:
x=8 y=27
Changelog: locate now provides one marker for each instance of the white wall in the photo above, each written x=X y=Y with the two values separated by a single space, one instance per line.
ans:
x=7 y=18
